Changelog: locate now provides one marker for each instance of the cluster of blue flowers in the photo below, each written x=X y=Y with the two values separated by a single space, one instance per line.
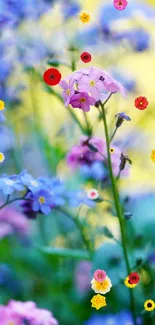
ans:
x=42 y=194
x=123 y=318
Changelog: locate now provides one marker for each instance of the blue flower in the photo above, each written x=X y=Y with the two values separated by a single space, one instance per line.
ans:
x=120 y=119
x=2 y=117
x=138 y=39
x=102 y=319
x=123 y=116
x=79 y=197
x=8 y=184
x=127 y=81
x=42 y=201
x=32 y=184
x=123 y=318
x=95 y=171
x=87 y=37
x=70 y=8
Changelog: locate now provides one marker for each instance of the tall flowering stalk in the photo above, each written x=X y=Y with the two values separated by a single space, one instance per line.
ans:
x=95 y=82
x=118 y=207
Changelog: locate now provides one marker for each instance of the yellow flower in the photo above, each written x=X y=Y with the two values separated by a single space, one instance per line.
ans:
x=1 y=157
x=152 y=157
x=101 y=287
x=1 y=105
x=98 y=301
x=149 y=305
x=84 y=17
x=128 y=284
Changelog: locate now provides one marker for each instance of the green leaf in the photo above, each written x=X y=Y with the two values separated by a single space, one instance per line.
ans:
x=65 y=252
x=54 y=62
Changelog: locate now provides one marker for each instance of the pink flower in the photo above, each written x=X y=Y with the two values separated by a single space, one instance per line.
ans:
x=120 y=4
x=12 y=221
x=82 y=101
x=82 y=276
x=99 y=275
x=68 y=90
x=16 y=311
x=91 y=83
x=7 y=316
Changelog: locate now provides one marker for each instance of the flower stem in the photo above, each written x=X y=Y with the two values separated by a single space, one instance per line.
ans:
x=13 y=200
x=80 y=226
x=113 y=134
x=118 y=209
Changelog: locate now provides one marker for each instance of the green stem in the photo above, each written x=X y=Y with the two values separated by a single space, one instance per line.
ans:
x=113 y=134
x=89 y=130
x=79 y=225
x=13 y=200
x=118 y=209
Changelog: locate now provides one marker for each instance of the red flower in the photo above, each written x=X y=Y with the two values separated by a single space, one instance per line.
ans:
x=141 y=102
x=134 y=278
x=85 y=57
x=52 y=76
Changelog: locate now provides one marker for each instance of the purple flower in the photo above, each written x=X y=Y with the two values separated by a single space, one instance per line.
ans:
x=68 y=90
x=42 y=201
x=92 y=83
x=82 y=101
x=8 y=184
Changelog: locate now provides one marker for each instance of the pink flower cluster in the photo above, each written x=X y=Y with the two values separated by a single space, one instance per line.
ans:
x=17 y=313
x=85 y=87
x=83 y=155
x=12 y=221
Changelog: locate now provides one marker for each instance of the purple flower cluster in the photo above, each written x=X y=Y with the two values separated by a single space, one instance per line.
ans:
x=85 y=155
x=83 y=88
x=21 y=313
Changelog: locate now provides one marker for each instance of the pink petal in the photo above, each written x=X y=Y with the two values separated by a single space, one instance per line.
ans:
x=63 y=84
x=85 y=107
x=95 y=93
x=91 y=100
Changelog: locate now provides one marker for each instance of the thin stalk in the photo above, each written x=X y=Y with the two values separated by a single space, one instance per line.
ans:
x=118 y=209
x=79 y=225
x=13 y=200
x=113 y=134
x=73 y=115
x=89 y=131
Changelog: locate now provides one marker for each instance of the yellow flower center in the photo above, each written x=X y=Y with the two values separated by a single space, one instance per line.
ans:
x=92 y=83
x=82 y=100
x=1 y=105
x=141 y=103
x=1 y=157
x=68 y=92
x=111 y=150
x=11 y=323
x=42 y=199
